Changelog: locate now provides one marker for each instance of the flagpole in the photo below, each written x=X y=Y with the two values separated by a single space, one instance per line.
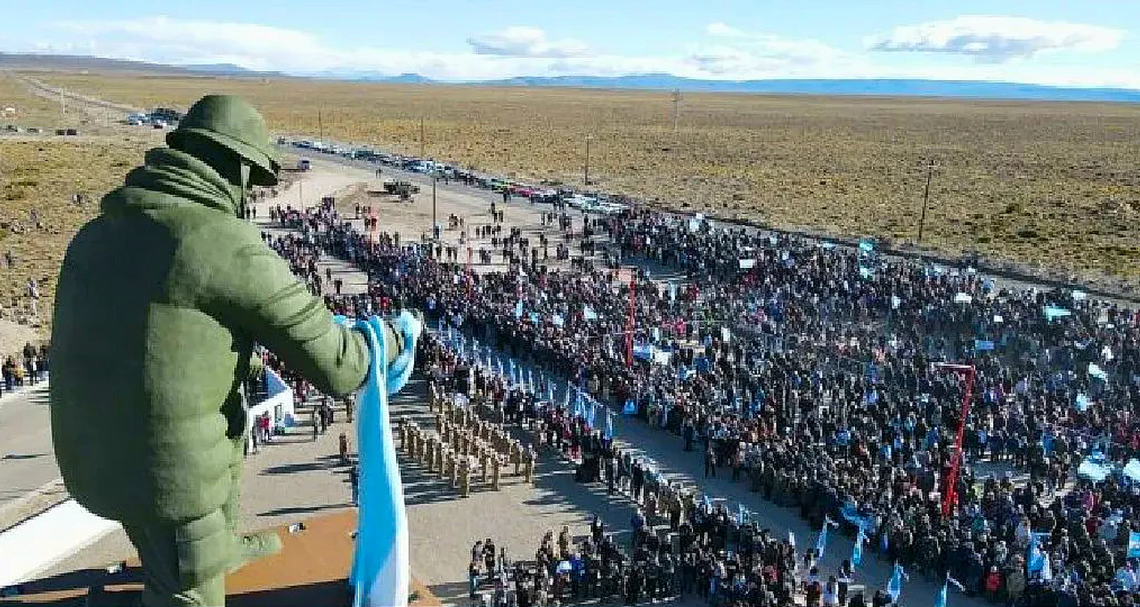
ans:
x=629 y=322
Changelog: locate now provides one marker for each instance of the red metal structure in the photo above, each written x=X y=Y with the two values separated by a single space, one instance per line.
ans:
x=629 y=321
x=950 y=495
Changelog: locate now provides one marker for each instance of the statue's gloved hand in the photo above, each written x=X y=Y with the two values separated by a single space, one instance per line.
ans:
x=408 y=327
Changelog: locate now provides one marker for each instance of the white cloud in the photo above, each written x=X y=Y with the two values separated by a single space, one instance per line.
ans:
x=518 y=41
x=739 y=56
x=997 y=39
x=746 y=55
x=721 y=29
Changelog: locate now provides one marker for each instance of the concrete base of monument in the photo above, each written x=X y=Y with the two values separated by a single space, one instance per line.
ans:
x=311 y=570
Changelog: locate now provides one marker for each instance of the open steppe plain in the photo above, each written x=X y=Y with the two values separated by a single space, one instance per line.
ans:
x=1049 y=188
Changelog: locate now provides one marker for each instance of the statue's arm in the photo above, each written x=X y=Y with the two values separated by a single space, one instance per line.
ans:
x=254 y=291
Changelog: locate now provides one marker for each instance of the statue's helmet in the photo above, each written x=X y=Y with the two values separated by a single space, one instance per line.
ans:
x=231 y=122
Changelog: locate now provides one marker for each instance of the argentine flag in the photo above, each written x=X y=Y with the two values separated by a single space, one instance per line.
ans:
x=940 y=600
x=894 y=585
x=609 y=430
x=857 y=550
x=379 y=575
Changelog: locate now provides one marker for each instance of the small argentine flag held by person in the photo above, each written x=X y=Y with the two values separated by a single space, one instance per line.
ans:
x=857 y=550
x=894 y=585
x=821 y=543
x=1134 y=544
x=940 y=600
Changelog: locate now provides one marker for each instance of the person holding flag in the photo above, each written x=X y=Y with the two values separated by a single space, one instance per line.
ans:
x=821 y=543
x=941 y=598
x=894 y=585
x=857 y=549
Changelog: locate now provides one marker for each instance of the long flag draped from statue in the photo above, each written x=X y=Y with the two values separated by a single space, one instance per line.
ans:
x=380 y=565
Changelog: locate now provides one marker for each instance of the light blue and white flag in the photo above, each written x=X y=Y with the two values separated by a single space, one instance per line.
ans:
x=380 y=565
x=1055 y=312
x=1096 y=372
x=608 y=433
x=894 y=585
x=821 y=542
x=940 y=600
x=1083 y=402
x=857 y=549
x=1134 y=544
x=1036 y=559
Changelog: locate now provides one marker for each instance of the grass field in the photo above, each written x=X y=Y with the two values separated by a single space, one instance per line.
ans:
x=1049 y=185
x=42 y=173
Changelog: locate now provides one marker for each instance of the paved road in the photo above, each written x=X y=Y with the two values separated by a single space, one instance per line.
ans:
x=27 y=460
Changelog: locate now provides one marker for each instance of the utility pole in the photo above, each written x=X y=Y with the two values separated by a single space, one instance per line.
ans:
x=925 y=199
x=434 y=179
x=586 y=171
x=422 y=138
x=321 y=126
x=62 y=102
x=676 y=108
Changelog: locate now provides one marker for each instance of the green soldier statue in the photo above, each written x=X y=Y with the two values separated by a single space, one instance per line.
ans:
x=159 y=303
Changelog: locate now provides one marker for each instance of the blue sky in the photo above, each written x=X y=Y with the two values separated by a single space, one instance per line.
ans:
x=1087 y=43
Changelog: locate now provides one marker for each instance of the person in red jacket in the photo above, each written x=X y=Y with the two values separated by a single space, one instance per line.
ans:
x=993 y=583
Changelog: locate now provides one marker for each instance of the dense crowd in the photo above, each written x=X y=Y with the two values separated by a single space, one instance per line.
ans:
x=808 y=369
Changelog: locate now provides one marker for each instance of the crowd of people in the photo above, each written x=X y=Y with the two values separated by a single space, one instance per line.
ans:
x=809 y=369
x=27 y=368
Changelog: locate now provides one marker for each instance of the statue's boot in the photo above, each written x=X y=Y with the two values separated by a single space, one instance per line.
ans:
x=252 y=547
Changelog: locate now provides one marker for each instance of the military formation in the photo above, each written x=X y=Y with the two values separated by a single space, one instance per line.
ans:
x=465 y=445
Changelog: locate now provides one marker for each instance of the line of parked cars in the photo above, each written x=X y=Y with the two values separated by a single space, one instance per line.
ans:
x=594 y=203
x=158 y=118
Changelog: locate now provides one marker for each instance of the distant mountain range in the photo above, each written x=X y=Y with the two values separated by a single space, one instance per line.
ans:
x=855 y=87
x=82 y=63
x=862 y=87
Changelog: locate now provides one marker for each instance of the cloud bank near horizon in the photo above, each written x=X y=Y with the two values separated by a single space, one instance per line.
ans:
x=992 y=48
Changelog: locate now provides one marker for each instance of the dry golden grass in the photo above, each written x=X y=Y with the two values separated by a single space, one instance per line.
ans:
x=43 y=173
x=48 y=114
x=1052 y=185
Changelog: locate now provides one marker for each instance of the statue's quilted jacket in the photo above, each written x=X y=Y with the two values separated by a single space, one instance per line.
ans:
x=159 y=302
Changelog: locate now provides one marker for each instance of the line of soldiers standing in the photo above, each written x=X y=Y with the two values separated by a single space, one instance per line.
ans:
x=463 y=442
